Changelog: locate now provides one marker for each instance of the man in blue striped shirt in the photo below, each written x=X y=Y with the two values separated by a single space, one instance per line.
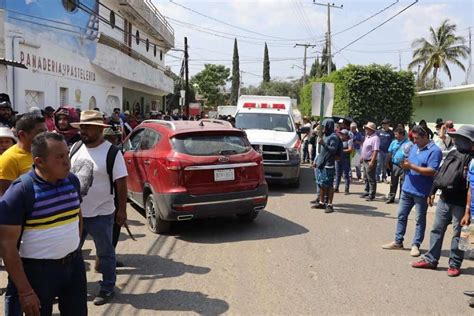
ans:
x=40 y=212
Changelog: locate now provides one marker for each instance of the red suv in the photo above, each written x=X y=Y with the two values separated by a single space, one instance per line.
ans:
x=181 y=170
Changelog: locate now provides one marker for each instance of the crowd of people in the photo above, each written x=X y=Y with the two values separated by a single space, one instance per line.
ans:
x=420 y=164
x=62 y=179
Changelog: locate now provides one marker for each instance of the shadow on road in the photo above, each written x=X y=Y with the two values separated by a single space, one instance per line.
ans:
x=223 y=230
x=359 y=209
x=175 y=300
x=307 y=184
x=156 y=267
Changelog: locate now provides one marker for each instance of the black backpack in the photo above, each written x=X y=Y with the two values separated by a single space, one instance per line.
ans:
x=451 y=177
x=110 y=161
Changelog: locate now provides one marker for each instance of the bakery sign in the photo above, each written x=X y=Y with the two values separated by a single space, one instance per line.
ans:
x=46 y=64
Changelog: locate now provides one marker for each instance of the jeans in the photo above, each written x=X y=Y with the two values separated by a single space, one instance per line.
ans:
x=446 y=214
x=306 y=150
x=100 y=228
x=369 y=179
x=381 y=163
x=343 y=167
x=316 y=172
x=358 y=167
x=50 y=279
x=398 y=175
x=407 y=201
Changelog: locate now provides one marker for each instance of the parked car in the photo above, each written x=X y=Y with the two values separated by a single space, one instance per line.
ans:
x=182 y=170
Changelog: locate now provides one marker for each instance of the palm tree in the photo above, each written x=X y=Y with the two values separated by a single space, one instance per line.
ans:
x=445 y=47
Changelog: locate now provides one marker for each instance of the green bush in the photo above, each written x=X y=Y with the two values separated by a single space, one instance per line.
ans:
x=368 y=93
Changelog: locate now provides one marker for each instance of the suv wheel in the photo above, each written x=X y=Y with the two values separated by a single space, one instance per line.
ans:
x=154 y=222
x=247 y=217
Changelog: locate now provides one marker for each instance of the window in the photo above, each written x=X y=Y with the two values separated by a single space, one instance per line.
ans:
x=133 y=142
x=63 y=96
x=70 y=5
x=34 y=99
x=273 y=122
x=149 y=139
x=211 y=145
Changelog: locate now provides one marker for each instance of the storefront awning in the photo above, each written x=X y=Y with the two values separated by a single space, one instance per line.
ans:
x=13 y=63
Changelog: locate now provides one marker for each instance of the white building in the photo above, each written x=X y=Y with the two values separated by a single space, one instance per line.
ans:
x=76 y=56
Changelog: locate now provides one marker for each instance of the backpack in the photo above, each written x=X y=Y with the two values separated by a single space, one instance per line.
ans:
x=110 y=161
x=452 y=175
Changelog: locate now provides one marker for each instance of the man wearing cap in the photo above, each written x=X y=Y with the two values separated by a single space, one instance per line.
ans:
x=368 y=159
x=6 y=112
x=357 y=140
x=7 y=139
x=90 y=165
x=386 y=136
x=451 y=206
x=423 y=161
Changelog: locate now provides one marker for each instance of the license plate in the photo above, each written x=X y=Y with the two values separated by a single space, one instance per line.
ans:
x=224 y=175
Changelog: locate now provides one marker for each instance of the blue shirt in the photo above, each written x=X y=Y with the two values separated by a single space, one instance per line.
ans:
x=356 y=137
x=396 y=152
x=471 y=183
x=429 y=156
x=386 y=138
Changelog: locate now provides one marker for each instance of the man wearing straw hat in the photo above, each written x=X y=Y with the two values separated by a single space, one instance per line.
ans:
x=90 y=165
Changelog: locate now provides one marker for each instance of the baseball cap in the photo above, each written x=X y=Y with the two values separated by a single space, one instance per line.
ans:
x=344 y=132
x=386 y=121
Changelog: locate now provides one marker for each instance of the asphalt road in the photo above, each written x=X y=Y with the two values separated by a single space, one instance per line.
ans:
x=291 y=260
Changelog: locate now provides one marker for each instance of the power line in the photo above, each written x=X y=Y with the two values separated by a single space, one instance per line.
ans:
x=366 y=19
x=228 y=24
x=378 y=26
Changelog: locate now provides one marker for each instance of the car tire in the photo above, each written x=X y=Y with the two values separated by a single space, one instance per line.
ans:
x=154 y=222
x=248 y=217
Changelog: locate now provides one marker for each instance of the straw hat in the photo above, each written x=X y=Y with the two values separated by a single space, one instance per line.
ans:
x=6 y=132
x=371 y=125
x=90 y=117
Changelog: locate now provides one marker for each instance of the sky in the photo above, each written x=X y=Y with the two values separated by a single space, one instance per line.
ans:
x=284 y=23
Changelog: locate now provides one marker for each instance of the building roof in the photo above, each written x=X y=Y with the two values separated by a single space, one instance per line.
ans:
x=457 y=89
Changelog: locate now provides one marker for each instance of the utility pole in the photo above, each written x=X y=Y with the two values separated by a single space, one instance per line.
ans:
x=186 y=76
x=469 y=68
x=329 y=5
x=304 y=59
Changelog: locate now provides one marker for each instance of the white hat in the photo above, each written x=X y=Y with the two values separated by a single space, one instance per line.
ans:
x=6 y=132
x=90 y=117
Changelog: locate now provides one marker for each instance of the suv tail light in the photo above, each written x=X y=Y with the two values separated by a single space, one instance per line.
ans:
x=173 y=164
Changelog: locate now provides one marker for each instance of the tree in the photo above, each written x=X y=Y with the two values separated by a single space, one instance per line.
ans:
x=325 y=60
x=172 y=99
x=210 y=82
x=234 y=93
x=316 y=69
x=275 y=88
x=443 y=47
x=368 y=93
x=266 y=65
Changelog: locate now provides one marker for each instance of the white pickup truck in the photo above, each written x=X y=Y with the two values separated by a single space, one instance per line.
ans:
x=270 y=128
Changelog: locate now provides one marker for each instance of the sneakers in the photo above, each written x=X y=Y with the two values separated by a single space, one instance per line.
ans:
x=415 y=251
x=423 y=264
x=319 y=206
x=393 y=246
x=103 y=298
x=346 y=193
x=390 y=201
x=329 y=209
x=336 y=190
x=454 y=271
x=314 y=201
x=370 y=198
x=364 y=195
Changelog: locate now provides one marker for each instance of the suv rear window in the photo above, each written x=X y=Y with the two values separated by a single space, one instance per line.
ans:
x=211 y=145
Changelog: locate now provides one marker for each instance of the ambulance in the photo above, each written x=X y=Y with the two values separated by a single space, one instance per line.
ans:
x=270 y=127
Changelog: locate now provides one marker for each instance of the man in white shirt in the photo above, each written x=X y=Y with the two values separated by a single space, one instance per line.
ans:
x=89 y=163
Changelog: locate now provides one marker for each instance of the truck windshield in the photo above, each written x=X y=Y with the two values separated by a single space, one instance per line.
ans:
x=273 y=122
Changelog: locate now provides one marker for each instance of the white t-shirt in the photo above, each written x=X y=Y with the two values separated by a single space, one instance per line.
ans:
x=90 y=166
